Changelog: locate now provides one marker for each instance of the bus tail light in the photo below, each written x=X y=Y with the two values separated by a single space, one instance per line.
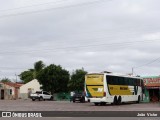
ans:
x=104 y=93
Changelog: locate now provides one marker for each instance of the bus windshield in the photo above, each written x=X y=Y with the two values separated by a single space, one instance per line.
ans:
x=94 y=85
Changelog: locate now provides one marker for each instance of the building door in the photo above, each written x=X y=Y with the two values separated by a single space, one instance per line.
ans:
x=2 y=94
x=154 y=95
x=16 y=93
x=30 y=90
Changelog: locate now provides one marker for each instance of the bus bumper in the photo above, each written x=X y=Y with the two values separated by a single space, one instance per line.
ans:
x=96 y=100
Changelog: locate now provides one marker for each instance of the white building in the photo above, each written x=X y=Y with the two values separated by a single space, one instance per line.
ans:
x=28 y=88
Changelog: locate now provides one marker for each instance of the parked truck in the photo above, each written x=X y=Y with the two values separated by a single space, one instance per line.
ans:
x=41 y=95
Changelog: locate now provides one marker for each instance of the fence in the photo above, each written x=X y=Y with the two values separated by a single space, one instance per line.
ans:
x=62 y=96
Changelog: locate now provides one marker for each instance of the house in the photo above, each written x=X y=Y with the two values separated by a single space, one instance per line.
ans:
x=28 y=88
x=152 y=88
x=9 y=90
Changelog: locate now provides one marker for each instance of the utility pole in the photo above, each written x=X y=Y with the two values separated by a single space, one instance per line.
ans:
x=132 y=70
x=16 y=77
x=15 y=89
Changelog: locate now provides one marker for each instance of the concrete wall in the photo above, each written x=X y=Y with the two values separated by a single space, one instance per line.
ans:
x=24 y=95
x=7 y=88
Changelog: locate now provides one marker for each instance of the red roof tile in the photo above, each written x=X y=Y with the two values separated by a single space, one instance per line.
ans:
x=13 y=84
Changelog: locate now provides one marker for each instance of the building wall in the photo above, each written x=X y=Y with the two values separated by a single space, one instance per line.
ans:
x=8 y=91
x=151 y=82
x=28 y=88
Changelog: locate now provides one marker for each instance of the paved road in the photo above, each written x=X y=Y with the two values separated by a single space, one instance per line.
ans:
x=28 y=105
x=81 y=118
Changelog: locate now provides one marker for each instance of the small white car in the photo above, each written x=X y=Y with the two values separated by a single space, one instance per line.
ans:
x=41 y=95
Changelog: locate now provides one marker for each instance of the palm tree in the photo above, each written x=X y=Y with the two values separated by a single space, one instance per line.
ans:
x=38 y=66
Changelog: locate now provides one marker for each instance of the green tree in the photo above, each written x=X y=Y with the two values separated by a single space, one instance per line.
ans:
x=27 y=76
x=53 y=78
x=5 y=80
x=38 y=66
x=77 y=80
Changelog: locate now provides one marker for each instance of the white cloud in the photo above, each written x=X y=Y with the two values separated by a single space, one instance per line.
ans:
x=99 y=37
x=152 y=36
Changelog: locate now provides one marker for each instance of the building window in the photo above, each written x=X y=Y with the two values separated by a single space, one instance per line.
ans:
x=10 y=91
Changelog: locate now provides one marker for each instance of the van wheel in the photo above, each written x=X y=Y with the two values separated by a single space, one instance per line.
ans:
x=115 y=100
x=51 y=98
x=119 y=100
x=138 y=101
x=83 y=100
x=41 y=98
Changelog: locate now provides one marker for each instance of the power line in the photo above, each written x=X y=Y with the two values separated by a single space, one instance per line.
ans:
x=31 y=6
x=97 y=39
x=50 y=9
x=148 y=63
x=119 y=44
x=10 y=68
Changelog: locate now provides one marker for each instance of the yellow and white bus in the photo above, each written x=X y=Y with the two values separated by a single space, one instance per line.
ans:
x=102 y=88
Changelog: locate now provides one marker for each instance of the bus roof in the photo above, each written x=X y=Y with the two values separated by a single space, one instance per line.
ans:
x=115 y=74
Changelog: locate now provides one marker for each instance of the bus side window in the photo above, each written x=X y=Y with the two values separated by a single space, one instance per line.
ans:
x=115 y=80
x=135 y=82
x=131 y=81
x=142 y=84
x=125 y=81
x=121 y=80
x=138 y=82
x=109 y=80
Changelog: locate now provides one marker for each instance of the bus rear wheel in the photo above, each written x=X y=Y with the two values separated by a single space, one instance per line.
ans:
x=119 y=100
x=115 y=100
x=96 y=104
x=102 y=103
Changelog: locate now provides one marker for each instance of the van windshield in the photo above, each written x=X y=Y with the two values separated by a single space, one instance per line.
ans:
x=39 y=92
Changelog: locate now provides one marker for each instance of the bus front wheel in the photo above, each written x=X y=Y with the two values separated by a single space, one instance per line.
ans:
x=138 y=101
